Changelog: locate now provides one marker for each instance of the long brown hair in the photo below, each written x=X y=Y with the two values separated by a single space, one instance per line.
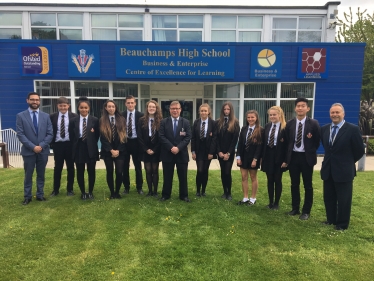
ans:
x=232 y=119
x=105 y=127
x=282 y=120
x=256 y=135
x=157 y=116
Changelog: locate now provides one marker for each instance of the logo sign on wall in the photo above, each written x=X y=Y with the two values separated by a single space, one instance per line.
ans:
x=313 y=63
x=35 y=60
x=84 y=60
x=266 y=63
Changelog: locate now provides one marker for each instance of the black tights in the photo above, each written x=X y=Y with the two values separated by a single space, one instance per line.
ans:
x=202 y=174
x=151 y=170
x=274 y=180
x=119 y=162
x=226 y=178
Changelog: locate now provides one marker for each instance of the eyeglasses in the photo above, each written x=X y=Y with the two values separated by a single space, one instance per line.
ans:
x=34 y=100
x=175 y=108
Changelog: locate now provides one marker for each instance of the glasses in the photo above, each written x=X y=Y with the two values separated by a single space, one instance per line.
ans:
x=175 y=108
x=34 y=100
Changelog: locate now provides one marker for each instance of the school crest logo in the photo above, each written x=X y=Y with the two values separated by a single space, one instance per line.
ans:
x=83 y=61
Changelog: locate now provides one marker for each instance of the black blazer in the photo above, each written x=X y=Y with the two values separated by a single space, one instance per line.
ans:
x=54 y=120
x=181 y=140
x=280 y=148
x=107 y=146
x=211 y=136
x=311 y=139
x=226 y=141
x=93 y=134
x=144 y=140
x=255 y=149
x=138 y=114
x=340 y=158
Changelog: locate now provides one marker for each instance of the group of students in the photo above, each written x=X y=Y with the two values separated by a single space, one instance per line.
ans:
x=149 y=138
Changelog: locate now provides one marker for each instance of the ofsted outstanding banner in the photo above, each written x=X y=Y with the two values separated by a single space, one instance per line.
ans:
x=169 y=62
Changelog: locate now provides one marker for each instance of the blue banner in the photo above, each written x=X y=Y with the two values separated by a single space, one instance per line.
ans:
x=35 y=60
x=266 y=63
x=175 y=62
x=84 y=60
x=313 y=63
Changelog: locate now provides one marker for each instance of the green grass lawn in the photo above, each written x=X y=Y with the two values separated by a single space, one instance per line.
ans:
x=140 y=238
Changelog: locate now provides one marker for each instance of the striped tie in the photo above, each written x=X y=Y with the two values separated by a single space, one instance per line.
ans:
x=272 y=136
x=299 y=133
x=84 y=130
x=247 y=143
x=113 y=126
x=202 y=131
x=225 y=125
x=152 y=131
x=62 y=127
x=332 y=139
x=129 y=126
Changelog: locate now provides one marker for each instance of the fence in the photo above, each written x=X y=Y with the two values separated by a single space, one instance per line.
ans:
x=13 y=145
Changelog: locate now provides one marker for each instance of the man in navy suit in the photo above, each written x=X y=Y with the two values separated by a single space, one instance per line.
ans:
x=343 y=148
x=34 y=131
x=175 y=135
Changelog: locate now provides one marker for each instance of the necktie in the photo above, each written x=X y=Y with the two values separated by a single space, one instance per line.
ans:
x=152 y=131
x=299 y=133
x=225 y=125
x=272 y=135
x=175 y=127
x=84 y=130
x=62 y=127
x=113 y=126
x=333 y=135
x=202 y=131
x=35 y=122
x=129 y=128
x=248 y=139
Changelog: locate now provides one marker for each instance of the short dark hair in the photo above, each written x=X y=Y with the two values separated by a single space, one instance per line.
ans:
x=83 y=99
x=32 y=94
x=301 y=100
x=130 y=97
x=61 y=100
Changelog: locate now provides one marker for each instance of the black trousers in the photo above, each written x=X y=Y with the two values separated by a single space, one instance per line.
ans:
x=299 y=166
x=62 y=153
x=202 y=174
x=91 y=170
x=133 y=149
x=226 y=178
x=168 y=173
x=338 y=200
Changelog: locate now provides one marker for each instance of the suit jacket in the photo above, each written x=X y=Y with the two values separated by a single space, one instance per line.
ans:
x=181 y=140
x=137 y=114
x=54 y=120
x=107 y=146
x=27 y=135
x=311 y=139
x=211 y=136
x=226 y=141
x=340 y=158
x=93 y=134
x=144 y=141
x=255 y=148
x=280 y=148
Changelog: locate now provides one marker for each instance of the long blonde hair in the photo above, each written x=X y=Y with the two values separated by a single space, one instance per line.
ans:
x=282 y=120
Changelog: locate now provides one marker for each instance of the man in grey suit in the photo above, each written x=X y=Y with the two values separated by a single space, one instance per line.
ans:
x=35 y=132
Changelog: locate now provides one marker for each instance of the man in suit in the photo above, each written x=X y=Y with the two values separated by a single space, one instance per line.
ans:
x=175 y=135
x=132 y=146
x=62 y=146
x=343 y=148
x=303 y=138
x=34 y=131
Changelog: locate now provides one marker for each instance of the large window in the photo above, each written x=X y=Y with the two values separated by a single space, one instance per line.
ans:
x=125 y=27
x=177 y=28
x=49 y=91
x=236 y=28
x=227 y=92
x=61 y=26
x=297 y=29
x=10 y=25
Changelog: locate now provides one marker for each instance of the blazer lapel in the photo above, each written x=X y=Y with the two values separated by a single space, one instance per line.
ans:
x=293 y=130
x=267 y=130
x=28 y=118
x=341 y=132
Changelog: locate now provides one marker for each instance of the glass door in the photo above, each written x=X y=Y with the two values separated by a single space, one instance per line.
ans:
x=186 y=105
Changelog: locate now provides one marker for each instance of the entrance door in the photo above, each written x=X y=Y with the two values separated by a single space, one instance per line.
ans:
x=187 y=109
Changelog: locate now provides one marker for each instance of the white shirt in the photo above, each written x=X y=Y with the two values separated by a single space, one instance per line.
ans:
x=277 y=125
x=134 y=135
x=81 y=124
x=301 y=148
x=66 y=120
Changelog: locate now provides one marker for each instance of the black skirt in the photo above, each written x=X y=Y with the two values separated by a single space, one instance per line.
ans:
x=247 y=161
x=202 y=153
x=154 y=158
x=82 y=155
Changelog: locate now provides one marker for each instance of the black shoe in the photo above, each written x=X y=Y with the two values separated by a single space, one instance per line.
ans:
x=270 y=206
x=26 y=201
x=84 y=196
x=112 y=197
x=198 y=194
x=339 y=228
x=149 y=194
x=326 y=223
x=203 y=194
x=185 y=199
x=90 y=196
x=241 y=202
x=275 y=207
x=163 y=199
x=126 y=191
x=229 y=197
x=140 y=191
x=155 y=194
x=41 y=199
x=304 y=217
x=70 y=193
x=54 y=193
x=224 y=196
x=293 y=213
x=117 y=196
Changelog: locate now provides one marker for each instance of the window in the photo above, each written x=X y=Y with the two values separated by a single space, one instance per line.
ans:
x=61 y=26
x=227 y=92
x=125 y=27
x=177 y=28
x=236 y=28
x=10 y=26
x=49 y=91
x=297 y=29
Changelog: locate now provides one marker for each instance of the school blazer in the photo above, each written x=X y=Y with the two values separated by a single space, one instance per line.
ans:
x=107 y=146
x=54 y=120
x=144 y=140
x=255 y=148
x=226 y=141
x=211 y=136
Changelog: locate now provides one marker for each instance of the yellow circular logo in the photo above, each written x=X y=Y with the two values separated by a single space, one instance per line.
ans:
x=266 y=58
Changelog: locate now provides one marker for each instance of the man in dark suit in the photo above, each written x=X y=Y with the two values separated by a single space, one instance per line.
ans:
x=175 y=135
x=132 y=146
x=303 y=138
x=343 y=148
x=62 y=146
x=34 y=131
